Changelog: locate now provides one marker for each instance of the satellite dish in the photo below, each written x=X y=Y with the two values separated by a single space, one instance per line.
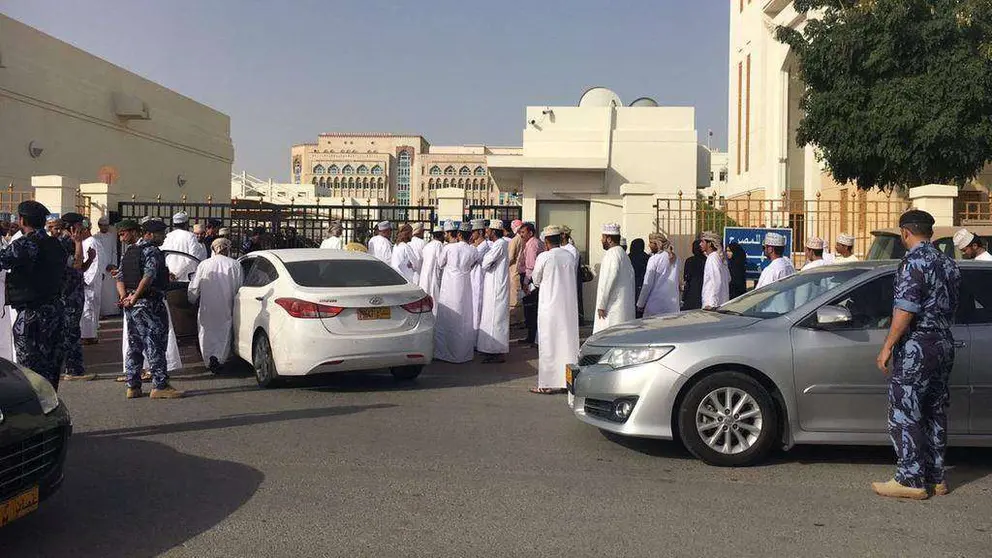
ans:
x=644 y=102
x=600 y=97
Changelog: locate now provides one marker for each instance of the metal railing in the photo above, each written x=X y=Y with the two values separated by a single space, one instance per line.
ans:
x=505 y=213
x=852 y=214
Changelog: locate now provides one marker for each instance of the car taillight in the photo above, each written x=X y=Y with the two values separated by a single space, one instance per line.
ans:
x=423 y=305
x=305 y=309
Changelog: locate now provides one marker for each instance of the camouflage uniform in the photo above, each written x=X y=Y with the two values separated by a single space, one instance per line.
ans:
x=72 y=300
x=39 y=331
x=147 y=322
x=926 y=285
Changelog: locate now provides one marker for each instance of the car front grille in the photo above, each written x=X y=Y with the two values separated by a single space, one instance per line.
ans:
x=589 y=360
x=25 y=463
x=600 y=409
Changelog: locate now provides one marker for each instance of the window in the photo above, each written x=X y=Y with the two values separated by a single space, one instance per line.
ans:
x=319 y=169
x=975 y=301
x=262 y=273
x=403 y=178
x=348 y=169
x=784 y=296
x=480 y=171
x=449 y=171
x=464 y=171
x=747 y=118
x=377 y=170
x=321 y=183
x=740 y=110
x=723 y=175
x=333 y=169
x=362 y=169
x=435 y=171
x=314 y=181
x=870 y=304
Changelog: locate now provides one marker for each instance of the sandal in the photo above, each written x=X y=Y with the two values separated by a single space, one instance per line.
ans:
x=546 y=391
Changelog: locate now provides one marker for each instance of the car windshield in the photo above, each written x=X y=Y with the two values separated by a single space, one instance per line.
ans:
x=343 y=273
x=886 y=247
x=782 y=297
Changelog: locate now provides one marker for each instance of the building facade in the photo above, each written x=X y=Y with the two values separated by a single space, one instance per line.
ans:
x=392 y=168
x=66 y=112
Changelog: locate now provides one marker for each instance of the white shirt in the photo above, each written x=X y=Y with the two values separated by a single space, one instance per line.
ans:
x=95 y=271
x=571 y=249
x=841 y=259
x=430 y=275
x=557 y=316
x=405 y=261
x=816 y=263
x=494 y=325
x=615 y=291
x=716 y=281
x=454 y=334
x=333 y=243
x=660 y=292
x=215 y=284
x=382 y=248
x=417 y=244
x=778 y=269
x=984 y=257
x=180 y=240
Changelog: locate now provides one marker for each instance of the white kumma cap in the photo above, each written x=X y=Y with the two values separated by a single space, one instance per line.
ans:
x=611 y=229
x=963 y=238
x=774 y=239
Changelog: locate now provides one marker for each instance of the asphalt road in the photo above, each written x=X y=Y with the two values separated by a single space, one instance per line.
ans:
x=464 y=462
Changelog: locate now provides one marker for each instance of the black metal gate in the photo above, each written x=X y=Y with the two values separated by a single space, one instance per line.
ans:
x=505 y=213
x=283 y=226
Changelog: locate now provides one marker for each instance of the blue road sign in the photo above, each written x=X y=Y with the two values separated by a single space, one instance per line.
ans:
x=751 y=240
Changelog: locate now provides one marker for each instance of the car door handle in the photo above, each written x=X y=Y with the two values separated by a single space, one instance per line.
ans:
x=960 y=344
x=260 y=298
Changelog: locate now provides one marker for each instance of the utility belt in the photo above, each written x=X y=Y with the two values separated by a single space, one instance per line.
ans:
x=150 y=293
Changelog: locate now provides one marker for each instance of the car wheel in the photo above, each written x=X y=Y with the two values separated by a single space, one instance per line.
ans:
x=265 y=366
x=406 y=373
x=729 y=420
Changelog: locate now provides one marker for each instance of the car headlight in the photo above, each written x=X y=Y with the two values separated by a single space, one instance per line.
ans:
x=47 y=396
x=621 y=357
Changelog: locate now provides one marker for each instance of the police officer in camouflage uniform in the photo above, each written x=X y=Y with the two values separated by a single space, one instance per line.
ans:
x=143 y=280
x=73 y=295
x=918 y=355
x=36 y=263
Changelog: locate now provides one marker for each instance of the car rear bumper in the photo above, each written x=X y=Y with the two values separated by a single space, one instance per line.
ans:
x=651 y=387
x=321 y=353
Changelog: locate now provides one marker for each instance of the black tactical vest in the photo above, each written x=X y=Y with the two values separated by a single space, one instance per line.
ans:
x=42 y=283
x=133 y=269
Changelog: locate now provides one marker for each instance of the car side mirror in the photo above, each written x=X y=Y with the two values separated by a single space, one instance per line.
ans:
x=833 y=316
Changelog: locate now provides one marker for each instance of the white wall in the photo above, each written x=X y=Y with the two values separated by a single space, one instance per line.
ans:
x=62 y=98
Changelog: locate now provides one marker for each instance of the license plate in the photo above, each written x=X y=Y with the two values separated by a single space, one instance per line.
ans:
x=374 y=313
x=18 y=506
x=570 y=377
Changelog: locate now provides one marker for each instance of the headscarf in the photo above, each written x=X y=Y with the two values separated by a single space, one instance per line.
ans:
x=738 y=270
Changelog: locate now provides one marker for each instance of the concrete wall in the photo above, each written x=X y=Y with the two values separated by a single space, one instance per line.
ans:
x=62 y=98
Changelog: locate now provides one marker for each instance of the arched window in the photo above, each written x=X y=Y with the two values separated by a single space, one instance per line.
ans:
x=333 y=169
x=464 y=171
x=461 y=182
x=362 y=169
x=480 y=171
x=381 y=182
x=351 y=182
x=319 y=169
x=348 y=169
x=435 y=171
x=449 y=171
x=377 y=170
x=314 y=181
x=445 y=182
x=321 y=182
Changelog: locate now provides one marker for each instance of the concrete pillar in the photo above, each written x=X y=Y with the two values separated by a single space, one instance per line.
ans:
x=937 y=200
x=639 y=214
x=102 y=202
x=451 y=204
x=57 y=193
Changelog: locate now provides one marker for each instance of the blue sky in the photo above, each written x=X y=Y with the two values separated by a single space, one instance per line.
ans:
x=455 y=71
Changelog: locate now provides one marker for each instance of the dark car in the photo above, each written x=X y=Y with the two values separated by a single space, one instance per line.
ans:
x=887 y=245
x=34 y=433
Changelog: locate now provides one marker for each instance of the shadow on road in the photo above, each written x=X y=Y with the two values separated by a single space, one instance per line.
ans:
x=130 y=498
x=233 y=421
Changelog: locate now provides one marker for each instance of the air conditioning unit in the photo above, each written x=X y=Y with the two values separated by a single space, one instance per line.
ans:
x=130 y=107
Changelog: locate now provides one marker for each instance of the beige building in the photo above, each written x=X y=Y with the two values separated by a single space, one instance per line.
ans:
x=67 y=113
x=391 y=168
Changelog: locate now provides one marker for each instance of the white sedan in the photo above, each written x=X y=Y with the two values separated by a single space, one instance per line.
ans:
x=313 y=311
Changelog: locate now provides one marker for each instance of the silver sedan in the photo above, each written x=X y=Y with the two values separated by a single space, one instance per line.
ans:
x=791 y=363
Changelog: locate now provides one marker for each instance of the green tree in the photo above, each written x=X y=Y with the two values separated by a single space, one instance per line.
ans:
x=899 y=92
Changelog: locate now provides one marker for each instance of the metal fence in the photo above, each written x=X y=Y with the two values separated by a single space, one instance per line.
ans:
x=854 y=214
x=505 y=213
x=283 y=226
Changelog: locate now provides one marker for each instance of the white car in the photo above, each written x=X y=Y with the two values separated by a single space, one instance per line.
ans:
x=314 y=311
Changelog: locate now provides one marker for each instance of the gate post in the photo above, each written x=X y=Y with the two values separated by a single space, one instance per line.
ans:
x=937 y=200
x=57 y=193
x=451 y=204
x=639 y=213
x=102 y=202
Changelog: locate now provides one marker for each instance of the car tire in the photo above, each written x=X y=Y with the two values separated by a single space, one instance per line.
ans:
x=263 y=363
x=406 y=373
x=739 y=438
